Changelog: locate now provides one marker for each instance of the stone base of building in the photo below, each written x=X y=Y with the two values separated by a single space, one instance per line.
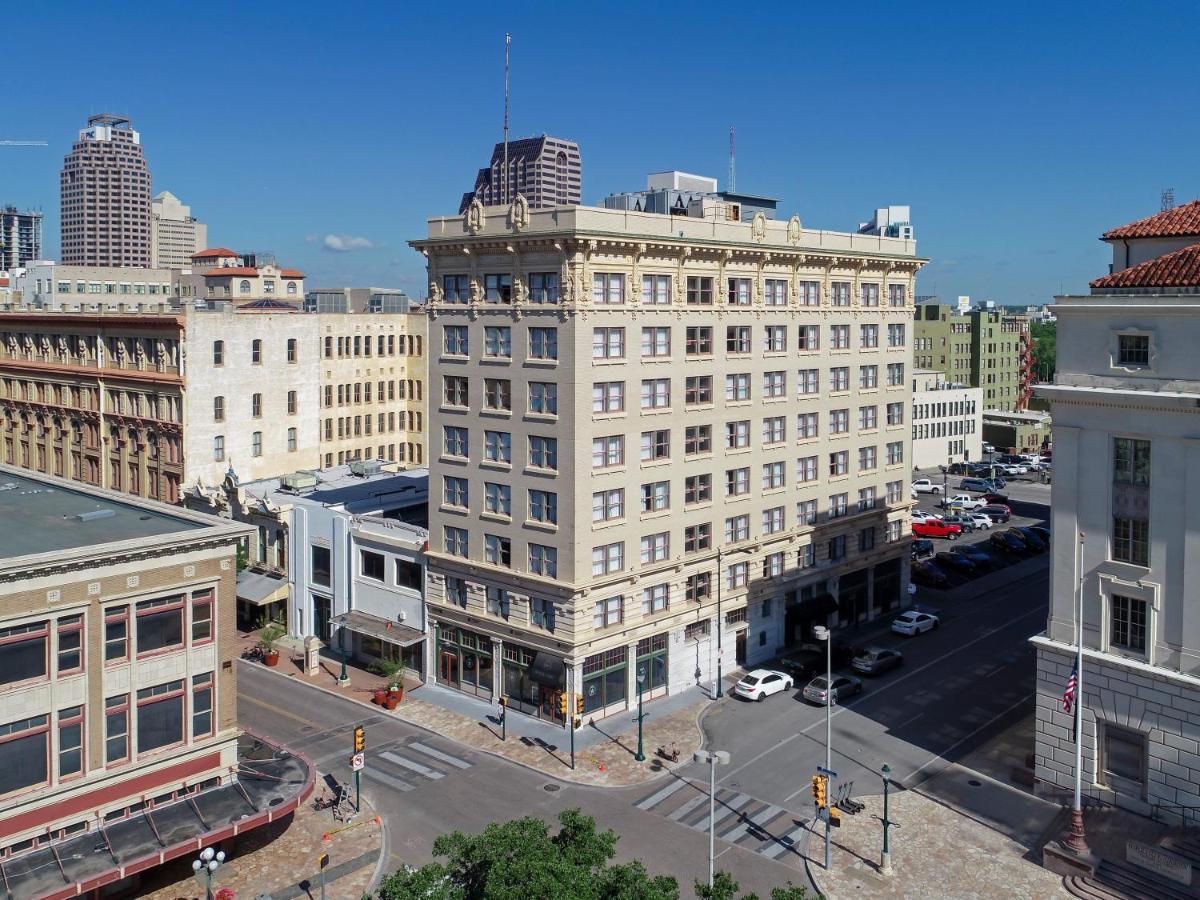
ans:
x=1140 y=733
x=1061 y=860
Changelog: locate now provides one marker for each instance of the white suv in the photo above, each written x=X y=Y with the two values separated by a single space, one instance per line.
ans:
x=963 y=501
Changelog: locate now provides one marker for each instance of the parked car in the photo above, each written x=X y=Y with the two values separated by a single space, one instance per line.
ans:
x=1042 y=532
x=974 y=553
x=988 y=448
x=876 y=660
x=959 y=468
x=981 y=521
x=1012 y=468
x=962 y=501
x=822 y=692
x=956 y=561
x=924 y=572
x=919 y=515
x=962 y=521
x=997 y=513
x=912 y=622
x=762 y=683
x=1032 y=540
x=994 y=498
x=978 y=485
x=1008 y=542
x=922 y=548
x=808 y=659
x=936 y=528
x=925 y=486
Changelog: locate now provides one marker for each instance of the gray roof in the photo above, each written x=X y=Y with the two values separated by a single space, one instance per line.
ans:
x=43 y=516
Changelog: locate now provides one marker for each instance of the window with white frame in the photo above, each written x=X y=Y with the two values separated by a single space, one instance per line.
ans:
x=543 y=507
x=497 y=342
x=497 y=498
x=656 y=393
x=608 y=343
x=774 y=384
x=608 y=397
x=656 y=342
x=543 y=343
x=608 y=505
x=654 y=599
x=455 y=540
x=543 y=452
x=737 y=435
x=738 y=292
x=608 y=612
x=808 y=381
x=656 y=496
x=608 y=451
x=868 y=336
x=774 y=430
x=839 y=462
x=543 y=560
x=806 y=469
x=608 y=558
x=737 y=528
x=806 y=512
x=497 y=446
x=543 y=398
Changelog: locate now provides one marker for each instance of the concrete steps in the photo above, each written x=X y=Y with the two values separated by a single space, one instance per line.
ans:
x=1119 y=881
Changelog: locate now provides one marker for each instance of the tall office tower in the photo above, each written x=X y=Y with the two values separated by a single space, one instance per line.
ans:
x=20 y=237
x=176 y=234
x=105 y=194
x=662 y=446
x=545 y=170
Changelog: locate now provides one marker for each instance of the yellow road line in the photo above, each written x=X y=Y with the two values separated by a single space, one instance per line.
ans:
x=275 y=709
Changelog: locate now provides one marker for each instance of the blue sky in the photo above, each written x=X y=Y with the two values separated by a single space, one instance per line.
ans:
x=1017 y=132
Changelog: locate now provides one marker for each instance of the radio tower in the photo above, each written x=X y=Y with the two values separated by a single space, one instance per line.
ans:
x=1168 y=199
x=732 y=159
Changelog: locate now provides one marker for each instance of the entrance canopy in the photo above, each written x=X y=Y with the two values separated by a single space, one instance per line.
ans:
x=379 y=627
x=260 y=588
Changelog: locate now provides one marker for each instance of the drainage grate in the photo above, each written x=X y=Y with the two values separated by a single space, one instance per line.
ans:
x=974 y=782
x=550 y=788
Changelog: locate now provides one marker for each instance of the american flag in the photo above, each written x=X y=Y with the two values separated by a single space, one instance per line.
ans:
x=1069 y=693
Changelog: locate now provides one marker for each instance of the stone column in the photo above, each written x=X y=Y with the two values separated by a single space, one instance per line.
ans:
x=497 y=667
x=431 y=669
x=631 y=674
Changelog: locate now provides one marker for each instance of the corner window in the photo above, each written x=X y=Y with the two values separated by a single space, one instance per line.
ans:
x=24 y=754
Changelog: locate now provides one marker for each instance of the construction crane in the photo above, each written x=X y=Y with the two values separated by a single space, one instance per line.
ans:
x=23 y=144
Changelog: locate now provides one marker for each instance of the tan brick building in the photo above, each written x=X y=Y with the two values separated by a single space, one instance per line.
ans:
x=652 y=434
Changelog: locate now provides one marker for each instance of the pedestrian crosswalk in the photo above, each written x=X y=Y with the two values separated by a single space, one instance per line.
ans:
x=738 y=819
x=403 y=765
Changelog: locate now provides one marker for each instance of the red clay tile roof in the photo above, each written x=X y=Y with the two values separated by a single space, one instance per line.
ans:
x=3 y=282
x=230 y=271
x=1178 y=269
x=290 y=273
x=213 y=253
x=1182 y=221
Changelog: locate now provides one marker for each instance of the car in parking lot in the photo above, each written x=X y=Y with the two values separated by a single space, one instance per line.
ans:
x=997 y=513
x=962 y=501
x=1009 y=543
x=924 y=572
x=964 y=522
x=1042 y=532
x=913 y=622
x=922 y=548
x=957 y=561
x=980 y=521
x=1012 y=468
x=822 y=692
x=762 y=683
x=1031 y=539
x=925 y=486
x=978 y=485
x=936 y=528
x=876 y=660
x=974 y=553
x=919 y=515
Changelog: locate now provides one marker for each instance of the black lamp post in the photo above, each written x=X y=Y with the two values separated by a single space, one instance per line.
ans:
x=885 y=867
x=345 y=676
x=640 y=756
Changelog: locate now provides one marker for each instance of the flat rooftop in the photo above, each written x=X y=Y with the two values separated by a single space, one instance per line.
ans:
x=45 y=516
x=338 y=486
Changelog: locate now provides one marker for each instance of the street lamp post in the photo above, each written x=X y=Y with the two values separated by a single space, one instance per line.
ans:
x=885 y=866
x=204 y=868
x=641 y=683
x=717 y=694
x=821 y=633
x=712 y=758
x=344 y=678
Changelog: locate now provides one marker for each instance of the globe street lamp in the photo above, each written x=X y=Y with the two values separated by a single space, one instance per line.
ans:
x=712 y=758
x=204 y=868
x=641 y=683
x=885 y=867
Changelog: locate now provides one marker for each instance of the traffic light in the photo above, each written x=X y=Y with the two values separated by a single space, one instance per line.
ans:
x=819 y=786
x=562 y=705
x=835 y=817
x=360 y=739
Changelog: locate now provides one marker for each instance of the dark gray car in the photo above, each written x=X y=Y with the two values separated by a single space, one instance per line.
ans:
x=874 y=660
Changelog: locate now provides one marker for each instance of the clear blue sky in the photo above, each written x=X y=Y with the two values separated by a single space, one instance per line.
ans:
x=1017 y=132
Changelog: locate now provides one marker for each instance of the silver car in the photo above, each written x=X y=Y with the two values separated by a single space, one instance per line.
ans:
x=818 y=690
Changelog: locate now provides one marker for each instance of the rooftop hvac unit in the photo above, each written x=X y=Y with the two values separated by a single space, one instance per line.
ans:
x=299 y=481
x=364 y=468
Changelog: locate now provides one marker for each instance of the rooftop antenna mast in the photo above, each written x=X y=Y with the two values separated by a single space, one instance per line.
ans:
x=732 y=159
x=504 y=188
x=1168 y=199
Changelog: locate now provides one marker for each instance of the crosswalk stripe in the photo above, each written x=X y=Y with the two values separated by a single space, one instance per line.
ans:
x=409 y=764
x=657 y=798
x=783 y=844
x=387 y=779
x=759 y=820
x=687 y=807
x=438 y=754
x=728 y=808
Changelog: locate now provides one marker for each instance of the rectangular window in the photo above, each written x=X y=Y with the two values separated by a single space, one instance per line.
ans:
x=895 y=374
x=738 y=292
x=775 y=338
x=697 y=390
x=806 y=425
x=867 y=458
x=869 y=294
x=608 y=612
x=737 y=528
x=699 y=589
x=70 y=742
x=654 y=599
x=23 y=652
x=656 y=290
x=160 y=716
x=497 y=498
x=543 y=343
x=543 y=452
x=868 y=336
x=608 y=397
x=737 y=339
x=321 y=566
x=202 y=616
x=697 y=489
x=219 y=447
x=656 y=342
x=737 y=435
x=737 y=482
x=608 y=559
x=772 y=568
x=895 y=452
x=1128 y=629
x=774 y=384
x=656 y=393
x=497 y=342
x=455 y=540
x=866 y=540
x=291 y=440
x=895 y=491
x=839 y=463
x=697 y=537
x=202 y=705
x=656 y=496
x=1131 y=461
x=737 y=387
x=772 y=475
x=497 y=447
x=543 y=561
x=808 y=293
x=454 y=441
x=839 y=293
x=256 y=443
x=699 y=291
x=608 y=451
x=456 y=591
x=895 y=295
x=543 y=507
x=456 y=288
x=808 y=381
x=608 y=505
x=655 y=547
x=806 y=512
x=160 y=624
x=454 y=491
x=70 y=644
x=454 y=340
x=455 y=393
x=839 y=378
x=867 y=418
x=896 y=335
x=116 y=729
x=839 y=337
x=868 y=377
x=497 y=394
x=836 y=548
x=895 y=413
x=699 y=340
x=839 y=421
x=497 y=550
x=218 y=409
x=808 y=338
x=736 y=576
x=697 y=439
x=1131 y=541
x=543 y=398
x=543 y=287
x=608 y=288
x=772 y=520
x=776 y=292
x=806 y=469
x=608 y=343
x=774 y=430
x=497 y=288
x=1133 y=350
x=866 y=499
x=116 y=634
x=371 y=565
x=893 y=531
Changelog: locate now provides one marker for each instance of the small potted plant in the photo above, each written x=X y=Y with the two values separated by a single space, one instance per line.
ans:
x=268 y=636
x=392 y=671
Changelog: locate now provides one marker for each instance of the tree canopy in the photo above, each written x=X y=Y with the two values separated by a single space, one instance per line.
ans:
x=1045 y=349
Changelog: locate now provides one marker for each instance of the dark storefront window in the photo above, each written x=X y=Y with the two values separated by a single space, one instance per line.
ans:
x=852 y=598
x=604 y=679
x=465 y=660
x=652 y=654
x=887 y=586
x=533 y=681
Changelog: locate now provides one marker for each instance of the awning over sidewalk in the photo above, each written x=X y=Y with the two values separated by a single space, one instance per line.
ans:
x=379 y=627
x=260 y=588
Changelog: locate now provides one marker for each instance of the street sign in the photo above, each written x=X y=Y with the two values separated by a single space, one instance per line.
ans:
x=825 y=771
x=358 y=761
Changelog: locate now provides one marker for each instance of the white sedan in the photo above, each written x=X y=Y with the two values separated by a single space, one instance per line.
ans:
x=979 y=520
x=762 y=683
x=913 y=623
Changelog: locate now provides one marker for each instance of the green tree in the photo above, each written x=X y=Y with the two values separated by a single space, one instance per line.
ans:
x=1045 y=349
x=520 y=859
x=725 y=888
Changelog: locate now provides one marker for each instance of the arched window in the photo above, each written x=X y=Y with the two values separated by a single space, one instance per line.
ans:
x=244 y=287
x=291 y=288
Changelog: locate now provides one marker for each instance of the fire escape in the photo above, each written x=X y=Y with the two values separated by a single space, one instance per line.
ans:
x=1025 y=371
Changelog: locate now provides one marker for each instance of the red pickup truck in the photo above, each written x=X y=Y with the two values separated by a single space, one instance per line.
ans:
x=936 y=528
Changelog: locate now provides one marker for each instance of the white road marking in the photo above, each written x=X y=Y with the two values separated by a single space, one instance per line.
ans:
x=783 y=844
x=654 y=799
x=438 y=754
x=758 y=822
x=387 y=779
x=687 y=807
x=409 y=764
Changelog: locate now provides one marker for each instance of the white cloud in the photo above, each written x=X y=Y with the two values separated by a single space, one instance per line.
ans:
x=344 y=243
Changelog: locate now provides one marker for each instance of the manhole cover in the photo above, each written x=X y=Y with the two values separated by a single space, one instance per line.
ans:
x=549 y=788
x=974 y=782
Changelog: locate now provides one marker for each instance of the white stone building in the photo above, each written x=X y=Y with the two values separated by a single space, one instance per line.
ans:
x=175 y=235
x=1126 y=411
x=947 y=421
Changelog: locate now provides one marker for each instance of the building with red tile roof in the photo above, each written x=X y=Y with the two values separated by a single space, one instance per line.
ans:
x=1180 y=269
x=1154 y=236
x=215 y=252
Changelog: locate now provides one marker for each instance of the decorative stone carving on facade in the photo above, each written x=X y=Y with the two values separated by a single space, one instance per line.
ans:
x=793 y=230
x=518 y=213
x=474 y=220
x=758 y=227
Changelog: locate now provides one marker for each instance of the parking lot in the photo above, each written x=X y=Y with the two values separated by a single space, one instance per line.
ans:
x=1029 y=500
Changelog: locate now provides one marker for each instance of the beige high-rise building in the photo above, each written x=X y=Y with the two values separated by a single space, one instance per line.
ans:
x=176 y=234
x=655 y=435
x=105 y=191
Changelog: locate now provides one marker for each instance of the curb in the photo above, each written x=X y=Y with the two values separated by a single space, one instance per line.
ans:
x=516 y=762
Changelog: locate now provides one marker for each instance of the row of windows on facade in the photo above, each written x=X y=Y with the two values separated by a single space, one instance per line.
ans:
x=293 y=351
x=608 y=343
x=256 y=352
x=124 y=352
x=609 y=288
x=122 y=402
x=609 y=559
x=386 y=423
x=404 y=452
x=86 y=436
x=256 y=444
x=371 y=565
x=135 y=288
x=244 y=287
x=608 y=397
x=360 y=392
x=943 y=409
x=942 y=429
x=385 y=345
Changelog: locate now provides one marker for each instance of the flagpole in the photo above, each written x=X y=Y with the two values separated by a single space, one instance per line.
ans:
x=1075 y=840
